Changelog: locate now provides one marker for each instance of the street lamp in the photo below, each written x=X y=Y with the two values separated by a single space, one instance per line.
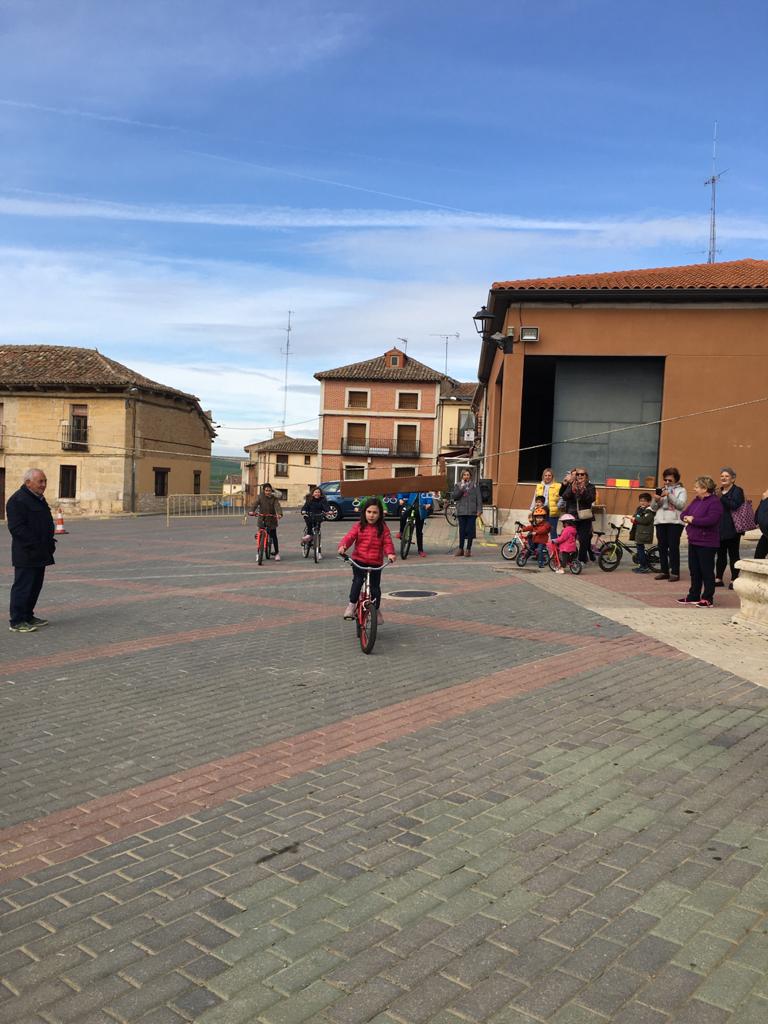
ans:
x=483 y=320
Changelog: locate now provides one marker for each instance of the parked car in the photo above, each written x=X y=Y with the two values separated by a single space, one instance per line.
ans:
x=348 y=508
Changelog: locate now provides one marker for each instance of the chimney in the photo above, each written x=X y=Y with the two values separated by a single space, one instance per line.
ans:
x=277 y=433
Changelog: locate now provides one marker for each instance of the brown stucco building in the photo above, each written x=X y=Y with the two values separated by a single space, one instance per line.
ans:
x=108 y=439
x=627 y=372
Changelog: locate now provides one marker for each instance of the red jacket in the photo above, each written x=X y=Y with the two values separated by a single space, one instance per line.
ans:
x=539 y=532
x=371 y=548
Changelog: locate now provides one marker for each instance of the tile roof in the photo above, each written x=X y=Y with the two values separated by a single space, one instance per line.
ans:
x=302 y=445
x=737 y=274
x=462 y=390
x=377 y=369
x=51 y=366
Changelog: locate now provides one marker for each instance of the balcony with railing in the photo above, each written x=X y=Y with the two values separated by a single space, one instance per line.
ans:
x=74 y=437
x=397 y=447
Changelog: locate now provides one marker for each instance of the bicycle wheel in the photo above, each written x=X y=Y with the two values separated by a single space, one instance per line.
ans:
x=406 y=538
x=450 y=514
x=315 y=545
x=305 y=546
x=260 y=547
x=510 y=550
x=609 y=557
x=654 y=558
x=522 y=557
x=576 y=567
x=368 y=627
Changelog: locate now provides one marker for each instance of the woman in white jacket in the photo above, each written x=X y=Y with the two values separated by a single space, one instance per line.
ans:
x=669 y=502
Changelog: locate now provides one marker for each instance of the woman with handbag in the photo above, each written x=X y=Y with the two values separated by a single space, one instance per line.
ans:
x=579 y=496
x=731 y=498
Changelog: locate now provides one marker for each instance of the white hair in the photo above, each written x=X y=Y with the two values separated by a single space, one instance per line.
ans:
x=30 y=473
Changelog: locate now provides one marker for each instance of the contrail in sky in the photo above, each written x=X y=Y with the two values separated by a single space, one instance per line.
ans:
x=90 y=115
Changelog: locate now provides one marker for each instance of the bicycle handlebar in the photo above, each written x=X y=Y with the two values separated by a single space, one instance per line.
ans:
x=365 y=568
x=263 y=515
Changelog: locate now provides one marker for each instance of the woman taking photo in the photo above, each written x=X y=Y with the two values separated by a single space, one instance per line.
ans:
x=731 y=498
x=579 y=495
x=669 y=502
x=469 y=505
x=549 y=489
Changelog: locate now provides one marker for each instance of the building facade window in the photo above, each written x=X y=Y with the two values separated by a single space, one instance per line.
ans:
x=405 y=471
x=394 y=360
x=281 y=465
x=307 y=460
x=357 y=399
x=407 y=439
x=196 y=480
x=354 y=472
x=408 y=399
x=68 y=481
x=75 y=436
x=161 y=482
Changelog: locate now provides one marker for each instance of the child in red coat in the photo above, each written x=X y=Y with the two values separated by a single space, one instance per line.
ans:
x=538 y=533
x=373 y=542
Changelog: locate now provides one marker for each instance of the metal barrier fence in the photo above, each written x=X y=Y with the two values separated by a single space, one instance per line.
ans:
x=204 y=506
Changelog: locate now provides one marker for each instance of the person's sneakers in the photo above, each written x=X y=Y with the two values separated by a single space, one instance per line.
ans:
x=306 y=538
x=640 y=569
x=459 y=553
x=319 y=556
x=349 y=611
x=23 y=627
x=561 y=571
x=422 y=555
x=686 y=600
x=719 y=583
x=277 y=558
x=673 y=578
x=467 y=553
x=37 y=623
x=704 y=603
x=663 y=576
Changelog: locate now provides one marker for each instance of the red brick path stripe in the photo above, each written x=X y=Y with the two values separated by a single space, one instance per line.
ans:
x=63 y=835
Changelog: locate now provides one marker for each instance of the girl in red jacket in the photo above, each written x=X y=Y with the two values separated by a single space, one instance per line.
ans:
x=372 y=541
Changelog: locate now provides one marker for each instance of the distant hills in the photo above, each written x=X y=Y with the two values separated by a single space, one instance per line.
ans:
x=222 y=466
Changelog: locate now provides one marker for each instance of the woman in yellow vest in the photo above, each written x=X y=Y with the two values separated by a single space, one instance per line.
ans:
x=550 y=489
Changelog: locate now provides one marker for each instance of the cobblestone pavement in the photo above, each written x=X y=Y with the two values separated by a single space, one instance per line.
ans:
x=541 y=799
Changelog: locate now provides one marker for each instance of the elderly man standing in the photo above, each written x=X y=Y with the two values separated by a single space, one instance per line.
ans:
x=31 y=525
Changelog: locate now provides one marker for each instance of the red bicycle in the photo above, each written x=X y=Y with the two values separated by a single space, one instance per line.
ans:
x=569 y=560
x=365 y=609
x=263 y=539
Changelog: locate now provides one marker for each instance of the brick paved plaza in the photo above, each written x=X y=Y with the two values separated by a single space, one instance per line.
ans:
x=518 y=809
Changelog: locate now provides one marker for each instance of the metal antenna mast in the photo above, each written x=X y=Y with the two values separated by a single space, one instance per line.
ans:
x=445 y=338
x=405 y=342
x=286 y=352
x=712 y=182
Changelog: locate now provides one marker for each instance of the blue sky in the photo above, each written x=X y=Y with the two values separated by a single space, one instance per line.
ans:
x=176 y=174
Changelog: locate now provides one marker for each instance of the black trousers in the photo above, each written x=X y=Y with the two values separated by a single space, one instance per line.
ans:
x=728 y=552
x=27 y=584
x=701 y=565
x=762 y=547
x=466 y=531
x=358 y=578
x=668 y=536
x=584 y=533
x=419 y=528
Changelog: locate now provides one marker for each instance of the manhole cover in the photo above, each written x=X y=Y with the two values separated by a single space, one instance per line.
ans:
x=413 y=593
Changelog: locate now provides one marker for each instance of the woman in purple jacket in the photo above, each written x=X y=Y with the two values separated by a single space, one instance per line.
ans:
x=702 y=524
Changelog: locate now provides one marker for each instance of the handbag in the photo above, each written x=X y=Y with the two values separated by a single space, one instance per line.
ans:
x=744 y=517
x=583 y=513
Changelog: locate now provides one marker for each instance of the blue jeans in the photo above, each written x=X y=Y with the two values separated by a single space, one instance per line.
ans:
x=642 y=557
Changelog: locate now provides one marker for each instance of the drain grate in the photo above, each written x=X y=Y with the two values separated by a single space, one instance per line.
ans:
x=413 y=593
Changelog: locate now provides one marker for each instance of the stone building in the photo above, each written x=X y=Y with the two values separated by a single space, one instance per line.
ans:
x=109 y=439
x=288 y=463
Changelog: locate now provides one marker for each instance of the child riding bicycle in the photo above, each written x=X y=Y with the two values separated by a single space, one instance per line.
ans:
x=537 y=532
x=566 y=545
x=314 y=511
x=268 y=510
x=373 y=542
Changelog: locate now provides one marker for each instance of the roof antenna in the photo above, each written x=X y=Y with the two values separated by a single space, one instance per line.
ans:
x=286 y=352
x=405 y=342
x=712 y=182
x=445 y=338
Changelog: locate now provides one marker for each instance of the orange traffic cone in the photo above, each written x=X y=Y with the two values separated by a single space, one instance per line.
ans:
x=59 y=522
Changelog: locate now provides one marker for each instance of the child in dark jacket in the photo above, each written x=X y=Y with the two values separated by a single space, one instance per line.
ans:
x=313 y=510
x=373 y=543
x=642 y=530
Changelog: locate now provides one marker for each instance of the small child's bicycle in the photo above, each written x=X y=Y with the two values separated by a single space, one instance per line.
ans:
x=513 y=548
x=612 y=551
x=263 y=539
x=313 y=544
x=568 y=560
x=365 y=610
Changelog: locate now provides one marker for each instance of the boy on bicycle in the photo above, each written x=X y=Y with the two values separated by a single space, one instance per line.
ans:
x=537 y=533
x=422 y=503
x=268 y=510
x=314 y=511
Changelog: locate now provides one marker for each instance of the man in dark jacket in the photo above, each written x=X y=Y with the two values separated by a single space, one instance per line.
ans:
x=31 y=526
x=762 y=521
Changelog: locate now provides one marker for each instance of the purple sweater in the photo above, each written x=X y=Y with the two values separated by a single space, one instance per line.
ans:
x=705 y=528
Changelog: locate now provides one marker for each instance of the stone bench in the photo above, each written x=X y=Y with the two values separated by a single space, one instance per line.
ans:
x=752 y=590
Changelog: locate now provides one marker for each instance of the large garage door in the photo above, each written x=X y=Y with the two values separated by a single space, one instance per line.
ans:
x=595 y=395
